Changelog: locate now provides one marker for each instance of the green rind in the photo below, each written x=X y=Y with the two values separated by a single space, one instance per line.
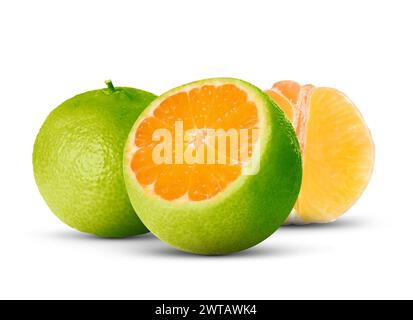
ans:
x=78 y=161
x=246 y=213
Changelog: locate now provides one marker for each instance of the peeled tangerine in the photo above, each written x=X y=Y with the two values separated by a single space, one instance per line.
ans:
x=337 y=150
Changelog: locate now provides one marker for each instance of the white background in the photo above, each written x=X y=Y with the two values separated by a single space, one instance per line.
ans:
x=52 y=50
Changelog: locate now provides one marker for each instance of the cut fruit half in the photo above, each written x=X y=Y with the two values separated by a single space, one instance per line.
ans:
x=336 y=145
x=202 y=163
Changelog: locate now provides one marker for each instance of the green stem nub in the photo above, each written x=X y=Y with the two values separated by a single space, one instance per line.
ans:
x=110 y=85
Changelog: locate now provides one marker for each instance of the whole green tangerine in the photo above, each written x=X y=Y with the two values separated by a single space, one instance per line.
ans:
x=78 y=156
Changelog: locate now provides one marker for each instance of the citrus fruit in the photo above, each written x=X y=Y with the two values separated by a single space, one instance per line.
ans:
x=78 y=160
x=337 y=149
x=202 y=196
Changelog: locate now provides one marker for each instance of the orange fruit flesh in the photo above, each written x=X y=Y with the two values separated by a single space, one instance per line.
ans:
x=208 y=107
x=336 y=145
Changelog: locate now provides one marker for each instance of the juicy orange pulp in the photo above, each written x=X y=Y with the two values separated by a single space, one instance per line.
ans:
x=336 y=146
x=203 y=107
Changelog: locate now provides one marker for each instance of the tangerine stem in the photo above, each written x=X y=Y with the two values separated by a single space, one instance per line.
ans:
x=110 y=85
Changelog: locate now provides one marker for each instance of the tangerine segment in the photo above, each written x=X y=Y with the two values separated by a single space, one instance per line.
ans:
x=284 y=103
x=293 y=99
x=289 y=89
x=338 y=158
x=203 y=108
